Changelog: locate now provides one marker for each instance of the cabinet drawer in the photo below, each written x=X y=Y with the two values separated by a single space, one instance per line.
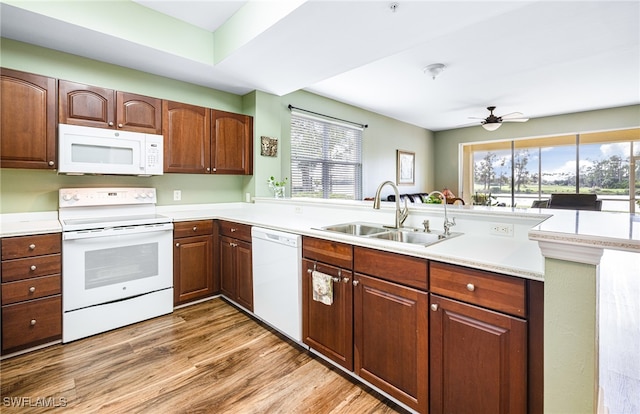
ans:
x=406 y=270
x=29 y=267
x=37 y=287
x=32 y=322
x=28 y=246
x=192 y=228
x=327 y=251
x=497 y=292
x=235 y=230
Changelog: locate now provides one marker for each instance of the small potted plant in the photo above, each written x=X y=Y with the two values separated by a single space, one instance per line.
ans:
x=277 y=186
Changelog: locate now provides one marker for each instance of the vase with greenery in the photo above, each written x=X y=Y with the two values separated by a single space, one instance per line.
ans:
x=278 y=187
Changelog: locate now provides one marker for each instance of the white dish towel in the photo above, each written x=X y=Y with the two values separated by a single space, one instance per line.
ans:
x=322 y=287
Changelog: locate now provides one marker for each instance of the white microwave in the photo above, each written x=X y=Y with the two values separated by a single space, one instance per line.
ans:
x=86 y=150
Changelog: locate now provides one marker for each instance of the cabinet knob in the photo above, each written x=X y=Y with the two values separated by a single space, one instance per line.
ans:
x=120 y=125
x=234 y=230
x=51 y=163
x=214 y=170
x=434 y=307
x=195 y=228
x=110 y=123
x=177 y=244
x=32 y=247
x=356 y=282
x=470 y=287
x=33 y=267
x=32 y=289
x=208 y=169
x=33 y=322
x=345 y=280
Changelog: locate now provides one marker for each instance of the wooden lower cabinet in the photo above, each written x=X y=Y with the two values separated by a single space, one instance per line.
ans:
x=478 y=359
x=391 y=339
x=31 y=291
x=193 y=277
x=329 y=328
x=236 y=273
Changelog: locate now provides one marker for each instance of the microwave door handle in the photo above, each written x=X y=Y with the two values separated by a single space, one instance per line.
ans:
x=143 y=151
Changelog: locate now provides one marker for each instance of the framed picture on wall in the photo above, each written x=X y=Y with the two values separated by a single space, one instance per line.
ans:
x=405 y=167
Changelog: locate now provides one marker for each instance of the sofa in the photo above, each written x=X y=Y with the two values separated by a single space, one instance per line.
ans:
x=568 y=201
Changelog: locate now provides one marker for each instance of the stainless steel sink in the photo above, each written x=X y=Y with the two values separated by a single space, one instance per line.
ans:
x=414 y=237
x=357 y=229
x=378 y=231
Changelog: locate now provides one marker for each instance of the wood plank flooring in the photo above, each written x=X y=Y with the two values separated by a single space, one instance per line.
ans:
x=205 y=358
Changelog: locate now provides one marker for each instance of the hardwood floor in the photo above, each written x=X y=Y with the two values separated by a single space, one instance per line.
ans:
x=208 y=357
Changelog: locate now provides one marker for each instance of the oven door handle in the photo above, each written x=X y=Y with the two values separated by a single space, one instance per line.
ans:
x=116 y=231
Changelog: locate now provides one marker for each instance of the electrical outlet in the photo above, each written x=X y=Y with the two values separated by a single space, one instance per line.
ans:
x=501 y=229
x=177 y=195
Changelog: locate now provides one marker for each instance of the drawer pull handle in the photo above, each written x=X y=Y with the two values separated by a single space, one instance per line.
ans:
x=434 y=307
x=32 y=289
x=470 y=287
x=32 y=247
x=33 y=267
x=33 y=322
x=195 y=228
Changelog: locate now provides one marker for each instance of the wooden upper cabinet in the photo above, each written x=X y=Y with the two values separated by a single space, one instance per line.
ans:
x=187 y=138
x=139 y=113
x=87 y=105
x=28 y=120
x=93 y=106
x=232 y=143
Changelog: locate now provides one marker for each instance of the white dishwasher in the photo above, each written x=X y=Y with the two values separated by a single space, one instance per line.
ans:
x=277 y=280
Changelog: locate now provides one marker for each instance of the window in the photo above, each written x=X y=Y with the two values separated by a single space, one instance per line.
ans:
x=326 y=158
x=518 y=172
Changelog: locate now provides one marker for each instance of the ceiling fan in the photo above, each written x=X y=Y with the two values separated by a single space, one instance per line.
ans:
x=493 y=122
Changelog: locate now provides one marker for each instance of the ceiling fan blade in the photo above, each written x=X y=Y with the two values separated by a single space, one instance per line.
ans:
x=475 y=117
x=470 y=124
x=516 y=120
x=512 y=115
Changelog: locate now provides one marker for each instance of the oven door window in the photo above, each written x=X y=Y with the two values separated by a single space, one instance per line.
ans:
x=120 y=265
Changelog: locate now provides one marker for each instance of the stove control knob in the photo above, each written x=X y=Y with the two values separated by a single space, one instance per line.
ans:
x=69 y=197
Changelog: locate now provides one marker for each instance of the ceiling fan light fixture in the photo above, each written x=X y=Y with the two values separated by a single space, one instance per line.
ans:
x=492 y=126
x=434 y=69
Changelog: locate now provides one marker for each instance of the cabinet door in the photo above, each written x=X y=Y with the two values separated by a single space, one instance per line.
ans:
x=232 y=143
x=244 y=274
x=227 y=267
x=478 y=359
x=86 y=105
x=329 y=328
x=391 y=339
x=192 y=268
x=139 y=113
x=187 y=138
x=28 y=120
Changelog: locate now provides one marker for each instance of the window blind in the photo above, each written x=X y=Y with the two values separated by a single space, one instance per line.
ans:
x=326 y=158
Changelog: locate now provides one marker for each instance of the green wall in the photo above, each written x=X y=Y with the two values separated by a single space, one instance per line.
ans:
x=447 y=143
x=34 y=190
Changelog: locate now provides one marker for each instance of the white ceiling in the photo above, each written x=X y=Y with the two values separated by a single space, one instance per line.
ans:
x=540 y=58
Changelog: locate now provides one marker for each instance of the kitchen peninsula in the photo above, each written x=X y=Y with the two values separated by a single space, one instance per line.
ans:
x=560 y=248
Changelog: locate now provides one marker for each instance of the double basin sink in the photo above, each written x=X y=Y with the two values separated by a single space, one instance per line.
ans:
x=377 y=231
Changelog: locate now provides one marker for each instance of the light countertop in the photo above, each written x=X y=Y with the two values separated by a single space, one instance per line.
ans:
x=517 y=254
